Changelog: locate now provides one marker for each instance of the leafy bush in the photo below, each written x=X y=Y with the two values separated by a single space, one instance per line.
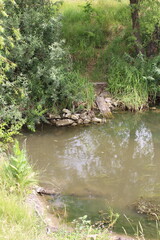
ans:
x=42 y=77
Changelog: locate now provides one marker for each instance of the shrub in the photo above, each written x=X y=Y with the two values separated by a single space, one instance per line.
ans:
x=42 y=77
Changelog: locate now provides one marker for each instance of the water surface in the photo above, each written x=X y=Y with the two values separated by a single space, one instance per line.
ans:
x=115 y=163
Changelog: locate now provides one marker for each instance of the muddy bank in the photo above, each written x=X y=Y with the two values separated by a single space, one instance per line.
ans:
x=38 y=202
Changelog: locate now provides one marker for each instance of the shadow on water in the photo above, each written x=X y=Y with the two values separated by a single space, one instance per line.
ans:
x=115 y=163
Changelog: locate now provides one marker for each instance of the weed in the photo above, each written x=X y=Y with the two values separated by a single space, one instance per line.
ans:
x=18 y=175
x=83 y=230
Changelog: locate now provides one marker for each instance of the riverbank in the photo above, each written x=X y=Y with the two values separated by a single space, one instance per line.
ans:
x=24 y=215
x=68 y=150
x=67 y=138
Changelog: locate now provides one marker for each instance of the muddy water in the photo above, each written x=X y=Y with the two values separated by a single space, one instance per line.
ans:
x=115 y=163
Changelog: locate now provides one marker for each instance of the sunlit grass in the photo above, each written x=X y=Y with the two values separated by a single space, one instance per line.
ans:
x=88 y=31
x=17 y=221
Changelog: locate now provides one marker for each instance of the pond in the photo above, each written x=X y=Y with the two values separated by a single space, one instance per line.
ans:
x=97 y=166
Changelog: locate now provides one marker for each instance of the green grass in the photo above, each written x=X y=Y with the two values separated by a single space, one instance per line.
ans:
x=99 y=36
x=133 y=80
x=89 y=30
x=127 y=83
x=17 y=220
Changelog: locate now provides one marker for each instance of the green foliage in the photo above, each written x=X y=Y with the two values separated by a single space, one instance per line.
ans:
x=17 y=172
x=132 y=80
x=78 y=91
x=6 y=44
x=150 y=12
x=36 y=71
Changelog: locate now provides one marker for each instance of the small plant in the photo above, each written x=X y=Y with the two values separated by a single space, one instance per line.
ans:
x=83 y=230
x=88 y=9
x=107 y=219
x=82 y=223
x=18 y=173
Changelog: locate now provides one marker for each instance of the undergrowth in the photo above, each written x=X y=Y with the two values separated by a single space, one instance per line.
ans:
x=88 y=28
x=133 y=80
x=100 y=37
x=83 y=230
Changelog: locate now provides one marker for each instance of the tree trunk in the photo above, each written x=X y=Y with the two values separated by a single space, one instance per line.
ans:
x=136 y=24
x=153 y=46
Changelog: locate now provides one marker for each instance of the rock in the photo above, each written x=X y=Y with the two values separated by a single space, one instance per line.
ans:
x=54 y=116
x=92 y=237
x=91 y=114
x=114 y=236
x=99 y=87
x=66 y=111
x=80 y=121
x=74 y=124
x=105 y=94
x=108 y=100
x=42 y=191
x=75 y=117
x=86 y=121
x=103 y=107
x=104 y=120
x=83 y=115
x=64 y=122
x=53 y=121
x=68 y=115
x=96 y=120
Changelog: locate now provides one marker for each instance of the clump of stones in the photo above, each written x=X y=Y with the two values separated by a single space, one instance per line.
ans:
x=104 y=105
x=69 y=119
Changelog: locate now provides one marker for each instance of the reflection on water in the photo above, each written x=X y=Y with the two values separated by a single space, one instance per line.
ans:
x=118 y=161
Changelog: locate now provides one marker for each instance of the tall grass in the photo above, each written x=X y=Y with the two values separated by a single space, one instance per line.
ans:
x=17 y=221
x=134 y=80
x=99 y=36
x=127 y=83
x=88 y=30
